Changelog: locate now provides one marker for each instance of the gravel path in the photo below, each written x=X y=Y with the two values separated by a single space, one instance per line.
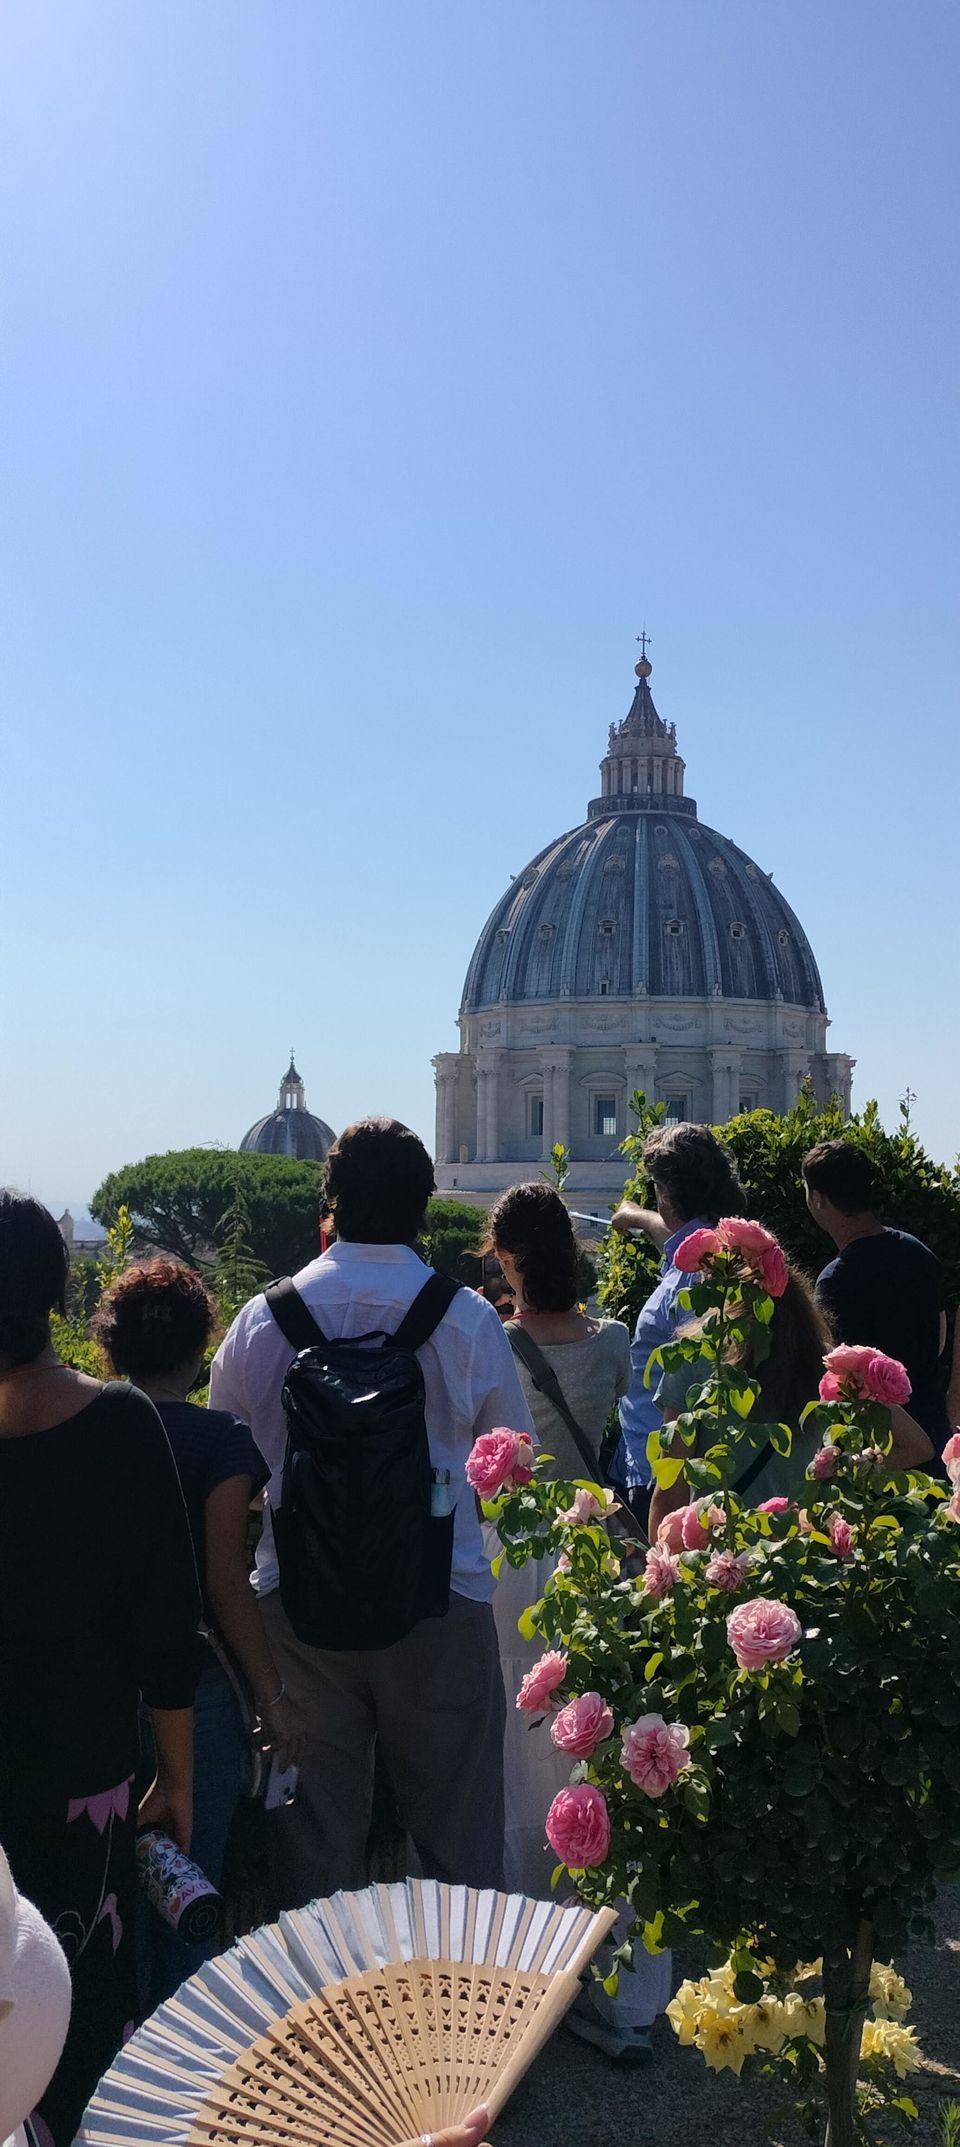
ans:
x=575 y=2098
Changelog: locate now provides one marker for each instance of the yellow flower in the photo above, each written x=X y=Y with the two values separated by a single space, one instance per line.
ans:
x=891 y=1997
x=721 y=2037
x=805 y=1970
x=683 y=2013
x=764 y=2024
x=805 y=2016
x=889 y=2039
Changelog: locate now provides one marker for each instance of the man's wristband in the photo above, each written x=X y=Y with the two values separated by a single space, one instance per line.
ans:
x=281 y=1695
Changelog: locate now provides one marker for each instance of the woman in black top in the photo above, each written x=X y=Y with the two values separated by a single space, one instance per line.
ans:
x=98 y=1605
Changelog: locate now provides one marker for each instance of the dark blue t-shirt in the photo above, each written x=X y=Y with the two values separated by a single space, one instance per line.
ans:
x=209 y=1446
x=886 y=1289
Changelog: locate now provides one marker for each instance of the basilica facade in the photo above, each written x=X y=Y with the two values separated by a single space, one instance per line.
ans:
x=641 y=950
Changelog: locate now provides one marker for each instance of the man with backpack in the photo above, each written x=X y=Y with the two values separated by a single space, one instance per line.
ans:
x=365 y=1382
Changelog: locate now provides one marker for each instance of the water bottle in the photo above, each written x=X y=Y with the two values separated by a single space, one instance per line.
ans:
x=439 y=1494
x=177 y=1888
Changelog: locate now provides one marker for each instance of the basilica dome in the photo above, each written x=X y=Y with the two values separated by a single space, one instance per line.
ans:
x=641 y=950
x=290 y=1130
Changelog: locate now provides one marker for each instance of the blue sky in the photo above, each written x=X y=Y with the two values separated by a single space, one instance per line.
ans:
x=370 y=374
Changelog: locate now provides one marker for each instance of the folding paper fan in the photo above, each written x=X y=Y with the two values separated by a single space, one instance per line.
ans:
x=362 y=2021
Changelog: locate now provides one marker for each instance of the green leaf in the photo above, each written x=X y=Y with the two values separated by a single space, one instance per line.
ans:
x=496 y=1564
x=741 y=1399
x=527 y=1623
x=748 y=1987
x=611 y=1983
x=781 y=1438
x=652 y=1666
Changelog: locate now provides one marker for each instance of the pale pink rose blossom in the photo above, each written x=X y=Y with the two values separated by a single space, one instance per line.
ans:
x=581 y=1725
x=660 y=1573
x=564 y=1562
x=804 y=1522
x=586 y=1506
x=824 y=1463
x=536 y=1692
x=697 y=1523
x=696 y=1251
x=726 y=1570
x=849 y=1360
x=870 y=1457
x=761 y=1632
x=951 y=1457
x=578 y=1826
x=886 y=1380
x=952 y=1508
x=655 y=1752
x=773 y=1271
x=773 y=1505
x=497 y=1458
x=840 y=1534
x=670 y=1531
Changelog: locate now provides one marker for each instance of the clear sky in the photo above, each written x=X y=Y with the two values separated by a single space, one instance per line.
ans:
x=371 y=373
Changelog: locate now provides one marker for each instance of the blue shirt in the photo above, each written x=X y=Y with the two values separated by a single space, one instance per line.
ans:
x=639 y=1413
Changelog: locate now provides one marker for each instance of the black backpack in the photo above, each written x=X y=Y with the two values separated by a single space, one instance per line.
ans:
x=361 y=1556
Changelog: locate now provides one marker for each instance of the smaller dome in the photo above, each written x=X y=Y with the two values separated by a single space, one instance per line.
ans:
x=290 y=1130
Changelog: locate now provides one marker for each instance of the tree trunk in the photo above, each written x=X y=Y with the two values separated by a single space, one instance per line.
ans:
x=846 y=1985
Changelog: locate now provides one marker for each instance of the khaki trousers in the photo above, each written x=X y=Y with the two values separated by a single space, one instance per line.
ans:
x=435 y=1701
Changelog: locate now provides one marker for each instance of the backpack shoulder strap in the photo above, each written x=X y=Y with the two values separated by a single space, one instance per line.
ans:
x=292 y=1317
x=751 y=1473
x=546 y=1382
x=426 y=1312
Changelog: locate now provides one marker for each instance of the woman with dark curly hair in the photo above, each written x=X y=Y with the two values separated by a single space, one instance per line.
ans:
x=155 y=1324
x=98 y=1606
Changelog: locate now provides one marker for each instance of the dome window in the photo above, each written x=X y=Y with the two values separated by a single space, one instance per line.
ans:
x=529 y=879
x=545 y=932
x=675 y=927
x=717 y=865
x=503 y=935
x=738 y=931
x=534 y=1114
x=783 y=939
x=607 y=927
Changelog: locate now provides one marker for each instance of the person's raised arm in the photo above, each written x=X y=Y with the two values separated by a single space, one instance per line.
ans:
x=632 y=1221
x=164 y=1611
x=911 y=1448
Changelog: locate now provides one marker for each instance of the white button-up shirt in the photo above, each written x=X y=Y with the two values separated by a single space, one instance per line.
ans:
x=469 y=1377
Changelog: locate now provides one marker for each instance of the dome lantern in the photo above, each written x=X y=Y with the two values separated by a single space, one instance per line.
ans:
x=291 y=1129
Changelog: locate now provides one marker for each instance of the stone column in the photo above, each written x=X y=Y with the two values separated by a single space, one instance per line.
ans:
x=725 y=1071
x=483 y=1085
x=640 y=1069
x=556 y=1074
x=493 y=1107
x=446 y=1065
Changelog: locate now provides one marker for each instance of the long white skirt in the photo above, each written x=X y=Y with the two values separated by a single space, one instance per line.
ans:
x=534 y=1771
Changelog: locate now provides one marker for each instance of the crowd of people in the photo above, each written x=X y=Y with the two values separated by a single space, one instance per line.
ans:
x=136 y=1658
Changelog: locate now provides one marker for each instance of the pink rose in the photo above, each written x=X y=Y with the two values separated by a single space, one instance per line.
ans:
x=661 y=1572
x=824 y=1463
x=655 y=1752
x=761 y=1632
x=749 y=1239
x=829 y=1389
x=951 y=1457
x=726 y=1570
x=773 y=1505
x=952 y=1507
x=773 y=1271
x=870 y=1457
x=697 y=1250
x=886 y=1380
x=846 y=1370
x=670 y=1531
x=564 y=1562
x=698 y=1521
x=840 y=1534
x=541 y=1682
x=497 y=1458
x=581 y=1725
x=586 y=1506
x=578 y=1826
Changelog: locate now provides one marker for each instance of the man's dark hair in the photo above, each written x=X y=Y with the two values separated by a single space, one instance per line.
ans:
x=379 y=1179
x=696 y=1171
x=34 y=1264
x=533 y=1226
x=158 y=1315
x=844 y=1173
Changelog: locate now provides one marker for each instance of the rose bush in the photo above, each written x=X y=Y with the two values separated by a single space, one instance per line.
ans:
x=782 y=1766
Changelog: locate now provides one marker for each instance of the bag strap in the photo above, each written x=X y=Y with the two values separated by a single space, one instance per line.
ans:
x=291 y=1315
x=750 y=1474
x=546 y=1382
x=426 y=1312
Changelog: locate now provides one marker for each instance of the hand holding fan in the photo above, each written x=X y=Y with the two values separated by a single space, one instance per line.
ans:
x=367 y=2020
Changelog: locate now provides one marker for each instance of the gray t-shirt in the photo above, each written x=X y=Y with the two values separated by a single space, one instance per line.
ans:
x=594 y=1373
